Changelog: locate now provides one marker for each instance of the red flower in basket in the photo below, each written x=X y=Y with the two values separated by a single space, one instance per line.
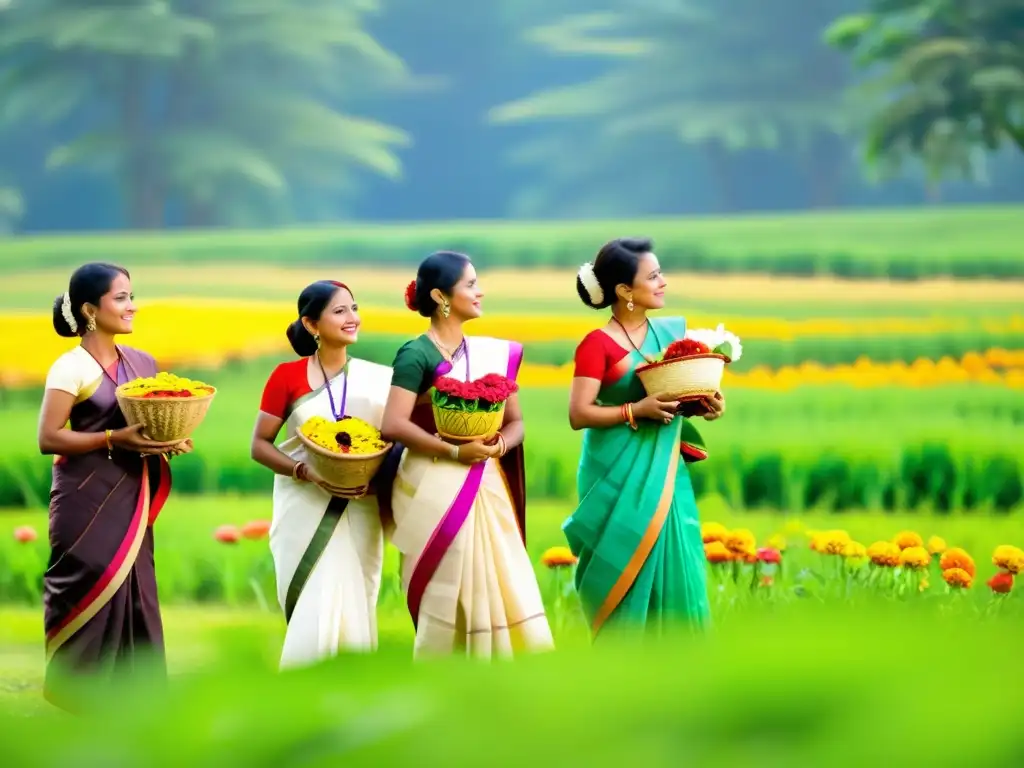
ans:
x=685 y=348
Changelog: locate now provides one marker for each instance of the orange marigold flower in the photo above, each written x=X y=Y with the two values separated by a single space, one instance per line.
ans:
x=713 y=532
x=936 y=545
x=558 y=557
x=25 y=534
x=1001 y=583
x=855 y=551
x=957 y=578
x=908 y=539
x=256 y=529
x=741 y=541
x=915 y=557
x=955 y=557
x=717 y=552
x=1009 y=558
x=833 y=542
x=227 y=534
x=884 y=553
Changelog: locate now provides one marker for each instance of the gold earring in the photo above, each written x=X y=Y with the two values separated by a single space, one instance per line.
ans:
x=316 y=338
x=629 y=305
x=90 y=324
x=446 y=308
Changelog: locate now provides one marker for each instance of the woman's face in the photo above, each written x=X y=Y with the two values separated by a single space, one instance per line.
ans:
x=466 y=295
x=649 y=284
x=339 y=323
x=116 y=310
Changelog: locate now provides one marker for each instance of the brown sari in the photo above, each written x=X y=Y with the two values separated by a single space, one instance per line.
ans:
x=100 y=596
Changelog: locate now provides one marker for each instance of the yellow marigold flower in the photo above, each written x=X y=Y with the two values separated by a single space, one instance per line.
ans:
x=713 y=532
x=855 y=551
x=350 y=435
x=777 y=541
x=165 y=382
x=957 y=577
x=907 y=539
x=716 y=552
x=741 y=541
x=915 y=557
x=558 y=557
x=1009 y=558
x=955 y=557
x=884 y=553
x=937 y=545
x=833 y=542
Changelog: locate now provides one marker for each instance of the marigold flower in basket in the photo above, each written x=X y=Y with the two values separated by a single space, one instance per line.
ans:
x=1009 y=558
x=957 y=578
x=955 y=557
x=350 y=435
x=170 y=407
x=471 y=409
x=1001 y=583
x=691 y=367
x=558 y=557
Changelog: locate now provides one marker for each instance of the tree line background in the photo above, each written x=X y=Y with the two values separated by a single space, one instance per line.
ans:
x=151 y=114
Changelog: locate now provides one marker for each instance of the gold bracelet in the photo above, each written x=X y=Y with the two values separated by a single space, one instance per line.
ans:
x=629 y=413
x=110 y=445
x=296 y=471
x=504 y=445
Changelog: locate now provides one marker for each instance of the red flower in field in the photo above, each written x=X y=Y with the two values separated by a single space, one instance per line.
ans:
x=1001 y=583
x=769 y=555
x=410 y=296
x=256 y=529
x=227 y=534
x=25 y=534
x=685 y=348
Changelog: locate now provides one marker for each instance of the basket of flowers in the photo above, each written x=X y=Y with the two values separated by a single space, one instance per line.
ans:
x=346 y=453
x=471 y=410
x=691 y=368
x=168 y=407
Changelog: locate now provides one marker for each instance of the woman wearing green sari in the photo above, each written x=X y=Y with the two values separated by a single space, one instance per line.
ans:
x=635 y=531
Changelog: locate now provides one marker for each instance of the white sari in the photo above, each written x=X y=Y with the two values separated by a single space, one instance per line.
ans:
x=336 y=607
x=468 y=579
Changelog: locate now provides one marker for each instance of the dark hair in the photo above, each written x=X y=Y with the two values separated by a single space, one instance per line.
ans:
x=615 y=264
x=312 y=302
x=441 y=270
x=88 y=284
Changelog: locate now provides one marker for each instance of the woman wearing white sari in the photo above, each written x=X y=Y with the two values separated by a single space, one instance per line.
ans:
x=328 y=551
x=459 y=510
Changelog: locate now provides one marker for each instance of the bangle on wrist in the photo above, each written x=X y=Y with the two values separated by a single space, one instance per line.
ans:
x=110 y=445
x=453 y=452
x=502 y=444
x=297 y=473
x=629 y=414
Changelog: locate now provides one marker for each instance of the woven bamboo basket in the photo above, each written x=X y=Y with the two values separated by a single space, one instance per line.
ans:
x=684 y=378
x=165 y=419
x=461 y=425
x=349 y=473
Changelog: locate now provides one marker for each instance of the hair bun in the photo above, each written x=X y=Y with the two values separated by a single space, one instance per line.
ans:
x=410 y=297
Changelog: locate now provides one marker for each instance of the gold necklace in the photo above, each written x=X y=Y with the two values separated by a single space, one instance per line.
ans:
x=446 y=353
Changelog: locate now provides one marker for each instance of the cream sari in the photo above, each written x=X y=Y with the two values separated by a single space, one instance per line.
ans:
x=328 y=554
x=466 y=573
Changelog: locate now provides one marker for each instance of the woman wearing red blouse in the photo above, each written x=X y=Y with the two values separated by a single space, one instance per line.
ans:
x=635 y=531
x=328 y=550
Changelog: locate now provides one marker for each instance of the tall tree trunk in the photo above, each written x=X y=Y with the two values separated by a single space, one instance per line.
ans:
x=720 y=169
x=141 y=184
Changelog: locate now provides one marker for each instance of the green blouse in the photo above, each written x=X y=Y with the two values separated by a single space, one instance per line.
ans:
x=414 y=365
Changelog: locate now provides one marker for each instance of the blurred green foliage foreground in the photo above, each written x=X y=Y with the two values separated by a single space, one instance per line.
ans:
x=893 y=686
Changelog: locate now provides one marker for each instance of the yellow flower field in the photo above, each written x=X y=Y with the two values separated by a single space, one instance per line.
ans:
x=203 y=332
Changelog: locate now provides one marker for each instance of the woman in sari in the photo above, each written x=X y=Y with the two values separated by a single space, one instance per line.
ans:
x=328 y=549
x=109 y=485
x=459 y=509
x=635 y=530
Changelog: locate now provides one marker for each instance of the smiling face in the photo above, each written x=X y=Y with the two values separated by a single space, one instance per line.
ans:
x=338 y=325
x=466 y=296
x=116 y=311
x=648 y=289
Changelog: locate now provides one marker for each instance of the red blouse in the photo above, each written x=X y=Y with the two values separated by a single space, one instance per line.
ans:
x=597 y=355
x=286 y=384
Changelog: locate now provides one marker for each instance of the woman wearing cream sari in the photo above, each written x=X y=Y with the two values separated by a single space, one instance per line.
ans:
x=328 y=550
x=459 y=510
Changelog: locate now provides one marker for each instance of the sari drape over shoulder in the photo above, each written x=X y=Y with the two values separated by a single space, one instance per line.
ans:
x=468 y=580
x=99 y=590
x=328 y=552
x=636 y=531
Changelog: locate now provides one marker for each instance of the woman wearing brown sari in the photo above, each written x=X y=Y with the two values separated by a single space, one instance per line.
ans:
x=109 y=484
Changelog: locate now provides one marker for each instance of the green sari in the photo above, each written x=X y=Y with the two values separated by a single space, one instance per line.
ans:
x=636 y=531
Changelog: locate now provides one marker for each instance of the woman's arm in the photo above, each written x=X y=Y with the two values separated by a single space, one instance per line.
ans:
x=262 y=449
x=53 y=438
x=585 y=413
x=398 y=426
x=513 y=429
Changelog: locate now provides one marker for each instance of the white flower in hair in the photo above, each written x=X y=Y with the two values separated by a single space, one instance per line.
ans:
x=69 y=316
x=589 y=280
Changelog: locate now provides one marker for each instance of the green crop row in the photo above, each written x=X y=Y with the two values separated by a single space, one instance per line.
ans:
x=965 y=242
x=837 y=447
